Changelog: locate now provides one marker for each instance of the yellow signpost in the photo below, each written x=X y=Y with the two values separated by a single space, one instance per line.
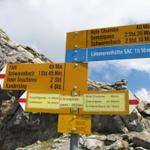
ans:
x=132 y=34
x=46 y=77
x=76 y=124
x=62 y=87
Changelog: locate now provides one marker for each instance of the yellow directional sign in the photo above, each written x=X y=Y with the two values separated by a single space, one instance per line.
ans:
x=132 y=34
x=46 y=77
x=74 y=124
x=106 y=102
x=92 y=102
x=53 y=102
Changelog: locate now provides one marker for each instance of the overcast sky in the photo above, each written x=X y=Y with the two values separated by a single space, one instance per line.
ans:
x=43 y=24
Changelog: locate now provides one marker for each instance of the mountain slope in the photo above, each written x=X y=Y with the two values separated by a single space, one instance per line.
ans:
x=16 y=127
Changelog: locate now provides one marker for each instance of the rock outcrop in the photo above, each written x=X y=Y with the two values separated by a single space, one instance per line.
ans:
x=136 y=121
x=10 y=52
x=16 y=127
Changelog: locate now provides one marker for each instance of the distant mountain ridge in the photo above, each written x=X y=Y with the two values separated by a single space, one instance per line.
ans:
x=10 y=52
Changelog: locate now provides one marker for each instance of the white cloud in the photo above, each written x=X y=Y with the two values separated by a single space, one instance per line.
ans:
x=134 y=64
x=143 y=94
x=45 y=22
x=121 y=67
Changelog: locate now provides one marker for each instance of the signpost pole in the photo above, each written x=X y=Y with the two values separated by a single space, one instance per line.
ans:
x=74 y=142
x=74 y=138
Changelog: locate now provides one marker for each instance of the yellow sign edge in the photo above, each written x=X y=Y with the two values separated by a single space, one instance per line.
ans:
x=130 y=25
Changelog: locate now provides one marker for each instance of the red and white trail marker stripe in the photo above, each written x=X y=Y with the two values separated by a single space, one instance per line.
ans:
x=2 y=76
x=22 y=100
x=133 y=101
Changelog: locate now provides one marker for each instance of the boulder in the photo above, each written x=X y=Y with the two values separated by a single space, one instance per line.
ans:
x=142 y=140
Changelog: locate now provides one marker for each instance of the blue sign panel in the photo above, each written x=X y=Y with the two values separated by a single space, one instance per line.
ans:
x=76 y=55
x=109 y=53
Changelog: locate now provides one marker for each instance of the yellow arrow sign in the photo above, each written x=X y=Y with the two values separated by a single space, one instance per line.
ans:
x=53 y=102
x=74 y=124
x=132 y=34
x=46 y=77
x=106 y=102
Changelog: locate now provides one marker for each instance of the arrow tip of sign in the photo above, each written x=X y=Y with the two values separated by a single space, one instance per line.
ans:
x=22 y=100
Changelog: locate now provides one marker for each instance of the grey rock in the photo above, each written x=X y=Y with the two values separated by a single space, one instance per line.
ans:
x=19 y=129
x=120 y=124
x=142 y=140
x=12 y=53
x=113 y=137
x=147 y=111
x=121 y=82
x=119 y=145
x=141 y=107
x=93 y=144
x=102 y=137
x=15 y=53
x=131 y=148
x=134 y=121
x=115 y=125
x=140 y=148
x=128 y=137
x=119 y=85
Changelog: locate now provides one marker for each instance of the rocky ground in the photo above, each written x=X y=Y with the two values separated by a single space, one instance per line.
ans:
x=19 y=129
x=128 y=141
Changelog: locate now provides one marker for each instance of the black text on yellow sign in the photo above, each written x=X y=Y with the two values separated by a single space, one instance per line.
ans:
x=46 y=77
x=100 y=37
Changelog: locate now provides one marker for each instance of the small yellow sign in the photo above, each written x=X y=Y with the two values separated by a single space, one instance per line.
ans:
x=43 y=101
x=52 y=103
x=74 y=124
x=106 y=102
x=46 y=77
x=131 y=34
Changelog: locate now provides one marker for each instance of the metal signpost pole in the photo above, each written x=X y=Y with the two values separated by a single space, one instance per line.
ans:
x=74 y=138
x=74 y=142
